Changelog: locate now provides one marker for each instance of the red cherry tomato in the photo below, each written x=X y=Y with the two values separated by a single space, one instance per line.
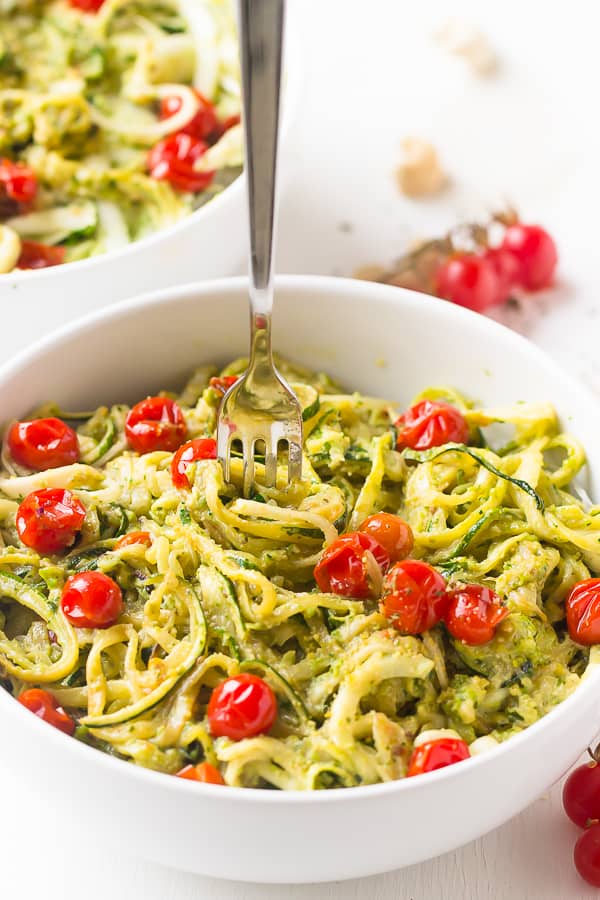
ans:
x=39 y=256
x=437 y=755
x=508 y=270
x=91 y=600
x=586 y=855
x=204 y=124
x=468 y=280
x=43 y=444
x=229 y=122
x=173 y=158
x=583 y=612
x=414 y=596
x=345 y=568
x=44 y=705
x=473 y=614
x=48 y=520
x=155 y=423
x=535 y=252
x=241 y=707
x=203 y=772
x=91 y=6
x=392 y=532
x=18 y=180
x=431 y=423
x=581 y=794
x=222 y=384
x=134 y=537
x=191 y=452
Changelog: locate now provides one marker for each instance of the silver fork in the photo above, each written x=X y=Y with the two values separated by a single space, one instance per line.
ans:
x=261 y=407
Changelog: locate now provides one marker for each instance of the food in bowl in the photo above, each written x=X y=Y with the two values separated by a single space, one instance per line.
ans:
x=418 y=597
x=117 y=119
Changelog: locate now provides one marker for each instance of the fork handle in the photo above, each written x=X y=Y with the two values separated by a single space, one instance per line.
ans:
x=261 y=41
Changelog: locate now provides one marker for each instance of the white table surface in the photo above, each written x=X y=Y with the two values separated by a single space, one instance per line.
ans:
x=528 y=135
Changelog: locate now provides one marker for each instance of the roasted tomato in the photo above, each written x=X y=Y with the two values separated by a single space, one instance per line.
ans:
x=39 y=256
x=134 y=537
x=241 y=707
x=18 y=181
x=204 y=124
x=44 y=705
x=438 y=754
x=223 y=383
x=473 y=614
x=189 y=453
x=155 y=423
x=91 y=600
x=414 y=596
x=43 y=444
x=353 y=566
x=173 y=160
x=202 y=772
x=392 y=532
x=583 y=612
x=49 y=520
x=431 y=423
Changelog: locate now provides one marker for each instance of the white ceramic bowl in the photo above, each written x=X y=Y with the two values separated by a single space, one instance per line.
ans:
x=381 y=340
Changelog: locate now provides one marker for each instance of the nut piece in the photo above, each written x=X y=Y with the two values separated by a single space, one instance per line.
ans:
x=420 y=173
x=465 y=40
x=10 y=249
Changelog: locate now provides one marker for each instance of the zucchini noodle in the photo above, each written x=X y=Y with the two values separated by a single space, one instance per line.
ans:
x=226 y=586
x=80 y=97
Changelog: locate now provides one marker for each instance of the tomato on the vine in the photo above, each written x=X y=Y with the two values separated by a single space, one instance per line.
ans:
x=91 y=600
x=432 y=755
x=507 y=268
x=586 y=855
x=468 y=279
x=583 y=612
x=39 y=256
x=43 y=705
x=156 y=423
x=241 y=707
x=353 y=566
x=49 y=520
x=581 y=794
x=431 y=423
x=43 y=444
x=189 y=453
x=203 y=772
x=393 y=533
x=18 y=181
x=414 y=596
x=536 y=253
x=473 y=614
x=173 y=160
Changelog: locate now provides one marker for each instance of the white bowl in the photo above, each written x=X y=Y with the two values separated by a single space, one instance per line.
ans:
x=378 y=339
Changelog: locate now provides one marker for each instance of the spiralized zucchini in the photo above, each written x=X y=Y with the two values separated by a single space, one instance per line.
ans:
x=80 y=98
x=226 y=586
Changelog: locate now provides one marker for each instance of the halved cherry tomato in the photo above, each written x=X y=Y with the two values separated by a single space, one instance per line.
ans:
x=155 y=423
x=188 y=453
x=222 y=384
x=87 y=5
x=18 y=180
x=393 y=533
x=49 y=520
x=508 y=270
x=39 y=256
x=241 y=707
x=436 y=755
x=414 y=596
x=204 y=124
x=473 y=614
x=134 y=537
x=353 y=566
x=173 y=158
x=535 y=252
x=583 y=612
x=91 y=600
x=45 y=706
x=468 y=280
x=431 y=423
x=202 y=772
x=43 y=444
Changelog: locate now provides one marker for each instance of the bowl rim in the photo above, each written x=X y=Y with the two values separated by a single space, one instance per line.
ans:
x=389 y=295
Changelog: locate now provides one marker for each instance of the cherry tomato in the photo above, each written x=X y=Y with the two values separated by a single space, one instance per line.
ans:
x=48 y=520
x=473 y=613
x=204 y=124
x=134 y=537
x=222 y=384
x=508 y=270
x=431 y=423
x=39 y=256
x=583 y=612
x=91 y=600
x=202 y=772
x=43 y=444
x=535 y=252
x=44 y=705
x=18 y=180
x=229 y=122
x=173 y=158
x=581 y=794
x=155 y=423
x=468 y=280
x=586 y=855
x=345 y=568
x=91 y=6
x=241 y=707
x=189 y=453
x=414 y=596
x=434 y=755
x=393 y=533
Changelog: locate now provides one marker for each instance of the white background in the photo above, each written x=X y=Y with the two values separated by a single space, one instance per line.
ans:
x=371 y=75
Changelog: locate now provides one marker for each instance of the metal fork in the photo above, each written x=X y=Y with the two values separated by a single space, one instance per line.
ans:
x=261 y=407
